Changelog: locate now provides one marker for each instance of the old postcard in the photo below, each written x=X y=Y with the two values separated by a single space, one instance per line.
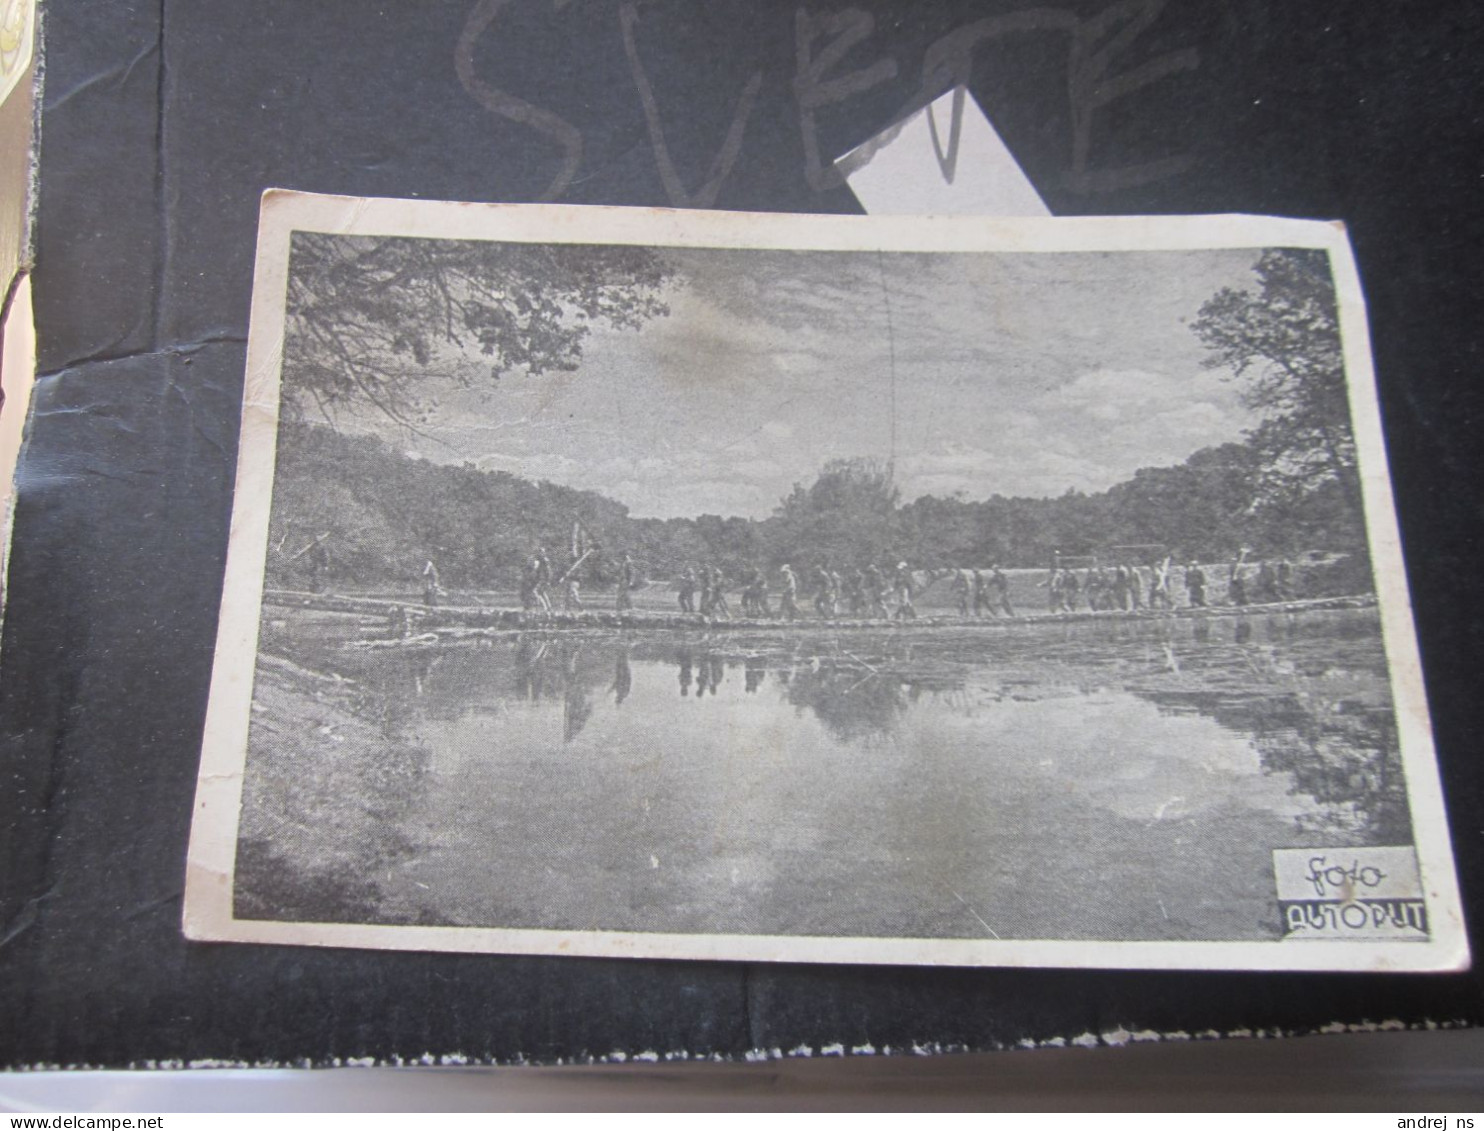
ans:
x=804 y=588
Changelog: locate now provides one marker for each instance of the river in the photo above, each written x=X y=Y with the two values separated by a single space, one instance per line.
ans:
x=1105 y=780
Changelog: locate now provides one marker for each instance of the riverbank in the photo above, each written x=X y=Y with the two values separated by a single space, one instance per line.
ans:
x=324 y=793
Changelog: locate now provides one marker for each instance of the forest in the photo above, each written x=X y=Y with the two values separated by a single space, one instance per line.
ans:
x=1289 y=487
x=387 y=515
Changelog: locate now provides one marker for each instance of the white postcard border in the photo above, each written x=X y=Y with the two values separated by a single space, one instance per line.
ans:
x=208 y=912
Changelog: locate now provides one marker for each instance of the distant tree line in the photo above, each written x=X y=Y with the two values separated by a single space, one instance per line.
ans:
x=386 y=515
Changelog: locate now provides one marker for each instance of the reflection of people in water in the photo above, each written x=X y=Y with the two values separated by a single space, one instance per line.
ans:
x=754 y=672
x=710 y=671
x=623 y=678
x=1244 y=630
x=576 y=709
x=529 y=675
x=422 y=668
x=406 y=681
x=685 y=674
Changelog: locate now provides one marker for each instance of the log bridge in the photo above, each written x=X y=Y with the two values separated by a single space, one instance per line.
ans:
x=407 y=617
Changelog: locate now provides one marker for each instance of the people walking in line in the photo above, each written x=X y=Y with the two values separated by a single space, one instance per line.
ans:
x=1284 y=580
x=961 y=589
x=1094 y=590
x=622 y=601
x=541 y=568
x=876 y=592
x=999 y=587
x=788 y=592
x=1071 y=587
x=1236 y=584
x=1195 y=585
x=706 y=597
x=755 y=594
x=979 y=593
x=1159 y=586
x=686 y=587
x=719 y=606
x=572 y=593
x=1118 y=589
x=902 y=584
x=1266 y=586
x=749 y=592
x=432 y=590
x=1052 y=585
x=823 y=598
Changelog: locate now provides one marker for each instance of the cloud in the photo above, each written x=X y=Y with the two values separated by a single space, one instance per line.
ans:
x=1022 y=465
x=1089 y=433
x=1009 y=374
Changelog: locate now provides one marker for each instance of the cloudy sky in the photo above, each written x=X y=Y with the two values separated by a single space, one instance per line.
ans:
x=1015 y=374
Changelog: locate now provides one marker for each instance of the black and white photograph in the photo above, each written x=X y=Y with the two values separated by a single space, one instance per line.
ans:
x=911 y=590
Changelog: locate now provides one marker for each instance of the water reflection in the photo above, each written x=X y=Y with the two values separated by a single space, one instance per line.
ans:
x=1059 y=779
x=1298 y=695
x=853 y=705
x=1337 y=748
x=756 y=670
x=577 y=708
x=623 y=677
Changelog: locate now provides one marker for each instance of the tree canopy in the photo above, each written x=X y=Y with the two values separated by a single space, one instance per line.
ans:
x=370 y=318
x=1283 y=339
x=845 y=515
